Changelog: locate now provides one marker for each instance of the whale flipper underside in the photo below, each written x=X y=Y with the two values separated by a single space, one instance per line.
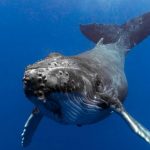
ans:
x=132 y=32
x=136 y=126
x=139 y=129
x=30 y=127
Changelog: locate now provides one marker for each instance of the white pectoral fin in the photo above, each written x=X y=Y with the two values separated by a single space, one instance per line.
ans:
x=133 y=124
x=30 y=127
x=136 y=126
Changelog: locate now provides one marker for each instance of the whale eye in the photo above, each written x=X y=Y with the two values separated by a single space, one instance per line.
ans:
x=98 y=85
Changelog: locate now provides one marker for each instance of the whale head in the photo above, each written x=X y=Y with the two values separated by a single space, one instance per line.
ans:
x=54 y=74
x=63 y=83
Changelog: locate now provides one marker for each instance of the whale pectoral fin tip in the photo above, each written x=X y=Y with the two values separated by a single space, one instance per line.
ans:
x=30 y=127
x=139 y=129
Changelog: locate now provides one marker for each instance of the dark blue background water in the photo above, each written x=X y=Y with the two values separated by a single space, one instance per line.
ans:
x=30 y=30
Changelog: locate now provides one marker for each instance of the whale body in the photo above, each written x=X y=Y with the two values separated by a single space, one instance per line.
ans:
x=86 y=88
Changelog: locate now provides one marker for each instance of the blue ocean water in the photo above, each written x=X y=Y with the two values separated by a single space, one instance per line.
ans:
x=29 y=31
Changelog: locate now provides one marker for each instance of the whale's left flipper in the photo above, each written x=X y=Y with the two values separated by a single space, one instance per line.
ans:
x=30 y=127
x=133 y=124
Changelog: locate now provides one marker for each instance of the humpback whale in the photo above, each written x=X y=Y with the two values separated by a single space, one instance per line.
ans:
x=86 y=88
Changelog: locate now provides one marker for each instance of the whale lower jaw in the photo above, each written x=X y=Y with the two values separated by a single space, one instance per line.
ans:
x=73 y=109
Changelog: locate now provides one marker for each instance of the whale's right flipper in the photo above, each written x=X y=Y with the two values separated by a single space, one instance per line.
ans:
x=136 y=126
x=132 y=32
x=133 y=124
x=30 y=127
